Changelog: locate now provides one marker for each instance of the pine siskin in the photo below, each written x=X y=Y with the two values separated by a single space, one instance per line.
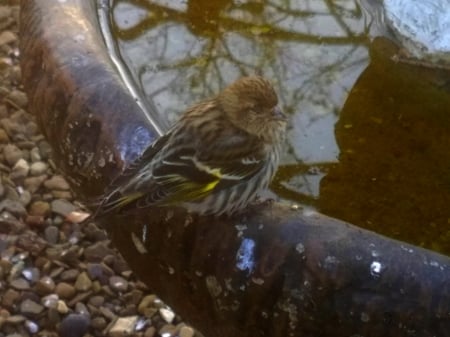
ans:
x=214 y=160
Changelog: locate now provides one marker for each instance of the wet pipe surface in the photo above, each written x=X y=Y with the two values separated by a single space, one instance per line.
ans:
x=271 y=272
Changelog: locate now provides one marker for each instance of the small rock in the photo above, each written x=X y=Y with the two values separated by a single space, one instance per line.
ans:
x=38 y=168
x=40 y=208
x=62 y=307
x=146 y=302
x=25 y=197
x=13 y=207
x=5 y=13
x=30 y=308
x=19 y=98
x=7 y=37
x=31 y=242
x=32 y=274
x=150 y=332
x=35 y=220
x=65 y=290
x=4 y=137
x=10 y=225
x=98 y=323
x=20 y=284
x=97 y=300
x=69 y=275
x=45 y=285
x=9 y=298
x=167 y=329
x=186 y=331
x=12 y=154
x=20 y=169
x=74 y=325
x=62 y=207
x=51 y=234
x=97 y=251
x=31 y=326
x=81 y=308
x=50 y=301
x=167 y=314
x=83 y=282
x=35 y=156
x=32 y=184
x=118 y=283
x=67 y=195
x=99 y=271
x=45 y=149
x=15 y=320
x=124 y=326
x=58 y=183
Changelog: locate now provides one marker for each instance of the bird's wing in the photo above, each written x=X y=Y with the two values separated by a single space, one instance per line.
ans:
x=187 y=173
x=117 y=198
x=187 y=170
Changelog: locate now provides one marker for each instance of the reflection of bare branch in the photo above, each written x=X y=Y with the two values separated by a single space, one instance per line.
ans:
x=164 y=14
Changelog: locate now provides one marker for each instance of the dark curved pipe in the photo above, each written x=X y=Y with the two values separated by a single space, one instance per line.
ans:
x=273 y=271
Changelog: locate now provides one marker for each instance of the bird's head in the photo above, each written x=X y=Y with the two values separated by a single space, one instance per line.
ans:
x=250 y=104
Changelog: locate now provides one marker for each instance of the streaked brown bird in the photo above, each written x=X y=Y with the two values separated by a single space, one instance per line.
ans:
x=214 y=160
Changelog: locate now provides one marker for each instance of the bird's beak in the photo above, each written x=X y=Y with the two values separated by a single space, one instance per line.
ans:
x=278 y=114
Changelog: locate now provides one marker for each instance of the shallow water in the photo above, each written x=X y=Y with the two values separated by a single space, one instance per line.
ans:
x=369 y=138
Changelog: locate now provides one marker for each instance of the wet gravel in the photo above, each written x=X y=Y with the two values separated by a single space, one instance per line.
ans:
x=57 y=277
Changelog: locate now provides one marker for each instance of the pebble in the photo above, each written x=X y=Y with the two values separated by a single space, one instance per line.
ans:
x=40 y=208
x=167 y=330
x=5 y=13
x=97 y=252
x=123 y=326
x=38 y=168
x=35 y=155
x=118 y=283
x=51 y=234
x=62 y=207
x=32 y=184
x=45 y=149
x=50 y=301
x=7 y=37
x=20 y=169
x=19 y=98
x=167 y=314
x=25 y=198
x=62 y=307
x=65 y=290
x=9 y=298
x=31 y=326
x=83 y=282
x=186 y=331
x=98 y=323
x=4 y=138
x=15 y=319
x=20 y=284
x=45 y=285
x=30 y=308
x=74 y=325
x=99 y=271
x=32 y=274
x=12 y=154
x=150 y=332
x=13 y=207
x=58 y=183
x=69 y=275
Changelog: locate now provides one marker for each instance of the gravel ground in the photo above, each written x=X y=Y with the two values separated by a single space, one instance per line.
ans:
x=57 y=278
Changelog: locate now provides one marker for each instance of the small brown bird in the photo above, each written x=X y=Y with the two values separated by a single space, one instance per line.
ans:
x=214 y=160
